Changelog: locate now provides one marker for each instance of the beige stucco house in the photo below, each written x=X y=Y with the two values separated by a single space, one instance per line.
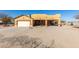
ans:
x=37 y=20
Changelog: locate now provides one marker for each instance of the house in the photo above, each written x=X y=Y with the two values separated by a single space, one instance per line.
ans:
x=37 y=20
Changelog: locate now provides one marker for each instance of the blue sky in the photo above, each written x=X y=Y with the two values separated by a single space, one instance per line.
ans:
x=67 y=15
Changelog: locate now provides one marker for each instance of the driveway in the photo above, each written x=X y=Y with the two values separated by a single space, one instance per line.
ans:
x=64 y=37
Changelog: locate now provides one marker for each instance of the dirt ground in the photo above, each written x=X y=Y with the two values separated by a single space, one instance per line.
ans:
x=41 y=37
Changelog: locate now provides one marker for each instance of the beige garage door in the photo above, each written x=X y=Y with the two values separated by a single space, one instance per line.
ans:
x=23 y=23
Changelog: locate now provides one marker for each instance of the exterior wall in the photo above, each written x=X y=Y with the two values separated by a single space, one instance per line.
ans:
x=39 y=16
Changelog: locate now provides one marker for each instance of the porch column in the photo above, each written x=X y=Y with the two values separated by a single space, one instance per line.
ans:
x=45 y=22
x=59 y=22
x=31 y=23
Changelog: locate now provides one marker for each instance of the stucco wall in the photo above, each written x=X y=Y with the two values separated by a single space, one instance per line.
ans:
x=45 y=17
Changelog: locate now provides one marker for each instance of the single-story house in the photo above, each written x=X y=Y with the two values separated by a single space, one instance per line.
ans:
x=37 y=20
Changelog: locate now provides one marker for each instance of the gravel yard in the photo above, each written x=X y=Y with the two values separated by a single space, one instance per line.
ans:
x=40 y=37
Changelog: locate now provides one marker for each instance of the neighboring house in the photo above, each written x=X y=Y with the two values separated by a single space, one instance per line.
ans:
x=37 y=20
x=76 y=23
x=9 y=23
x=1 y=21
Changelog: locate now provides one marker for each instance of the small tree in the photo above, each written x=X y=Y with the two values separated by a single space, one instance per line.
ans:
x=6 y=20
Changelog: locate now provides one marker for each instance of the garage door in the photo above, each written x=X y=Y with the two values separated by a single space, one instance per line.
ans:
x=23 y=23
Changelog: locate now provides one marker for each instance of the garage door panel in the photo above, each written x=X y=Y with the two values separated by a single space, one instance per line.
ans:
x=23 y=23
